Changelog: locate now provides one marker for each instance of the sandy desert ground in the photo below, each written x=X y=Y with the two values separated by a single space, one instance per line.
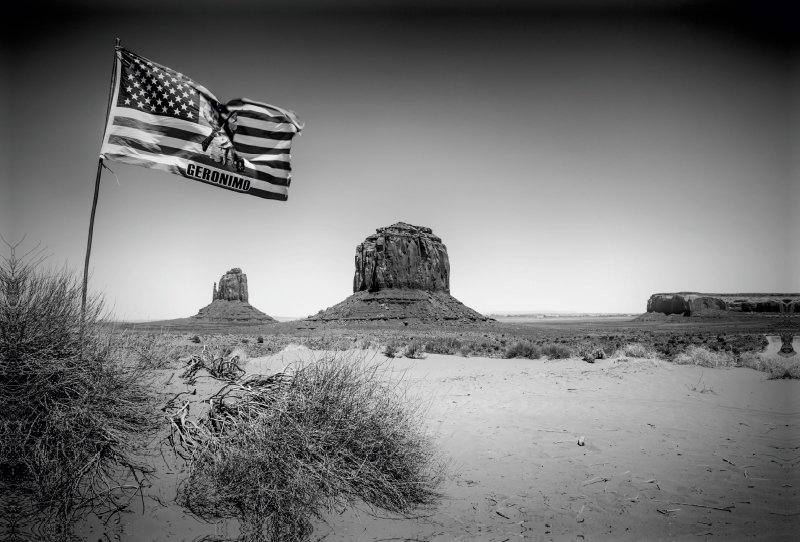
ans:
x=671 y=453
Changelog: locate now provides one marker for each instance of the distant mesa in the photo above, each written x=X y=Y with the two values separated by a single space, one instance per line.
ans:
x=402 y=273
x=696 y=304
x=230 y=302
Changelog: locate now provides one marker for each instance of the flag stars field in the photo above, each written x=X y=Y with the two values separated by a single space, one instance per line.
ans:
x=148 y=86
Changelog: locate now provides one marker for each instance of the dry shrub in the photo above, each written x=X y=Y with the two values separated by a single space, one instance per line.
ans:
x=287 y=448
x=702 y=356
x=75 y=406
x=522 y=349
x=364 y=343
x=392 y=349
x=556 y=351
x=775 y=368
x=328 y=342
x=443 y=345
x=588 y=351
x=222 y=363
x=465 y=350
x=637 y=350
x=415 y=349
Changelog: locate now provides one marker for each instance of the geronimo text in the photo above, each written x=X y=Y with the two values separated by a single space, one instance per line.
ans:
x=213 y=176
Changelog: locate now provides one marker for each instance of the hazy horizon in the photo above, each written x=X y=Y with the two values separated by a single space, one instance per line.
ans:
x=573 y=161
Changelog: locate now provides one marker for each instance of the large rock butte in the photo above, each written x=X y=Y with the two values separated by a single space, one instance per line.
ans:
x=230 y=302
x=402 y=256
x=402 y=273
x=693 y=303
x=232 y=287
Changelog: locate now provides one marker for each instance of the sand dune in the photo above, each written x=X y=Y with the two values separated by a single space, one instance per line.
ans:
x=671 y=453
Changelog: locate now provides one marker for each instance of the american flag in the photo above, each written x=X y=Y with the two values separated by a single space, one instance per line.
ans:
x=161 y=119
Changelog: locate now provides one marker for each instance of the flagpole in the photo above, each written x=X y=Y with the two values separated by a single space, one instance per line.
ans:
x=97 y=188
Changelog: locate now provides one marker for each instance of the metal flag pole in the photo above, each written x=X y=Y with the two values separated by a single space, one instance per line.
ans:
x=97 y=186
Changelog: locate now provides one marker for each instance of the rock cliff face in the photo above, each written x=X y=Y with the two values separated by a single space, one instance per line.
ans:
x=232 y=286
x=402 y=256
x=229 y=302
x=683 y=303
x=692 y=303
x=402 y=274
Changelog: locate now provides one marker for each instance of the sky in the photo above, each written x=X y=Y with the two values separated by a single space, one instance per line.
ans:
x=576 y=160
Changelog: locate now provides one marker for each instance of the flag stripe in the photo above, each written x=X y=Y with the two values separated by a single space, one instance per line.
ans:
x=145 y=146
x=115 y=152
x=261 y=142
x=270 y=110
x=156 y=140
x=135 y=160
x=282 y=161
x=160 y=120
x=272 y=162
x=154 y=146
x=168 y=131
x=257 y=115
x=277 y=172
x=251 y=150
x=268 y=126
x=255 y=111
x=243 y=130
x=176 y=170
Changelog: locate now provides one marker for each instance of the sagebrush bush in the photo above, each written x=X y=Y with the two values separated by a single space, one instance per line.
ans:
x=443 y=345
x=775 y=368
x=392 y=349
x=285 y=449
x=75 y=401
x=522 y=349
x=556 y=351
x=363 y=343
x=702 y=356
x=415 y=349
x=589 y=351
x=637 y=350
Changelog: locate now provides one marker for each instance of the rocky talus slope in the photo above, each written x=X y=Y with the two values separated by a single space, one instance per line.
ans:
x=402 y=273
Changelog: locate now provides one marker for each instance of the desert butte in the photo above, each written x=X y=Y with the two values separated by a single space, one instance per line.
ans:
x=671 y=452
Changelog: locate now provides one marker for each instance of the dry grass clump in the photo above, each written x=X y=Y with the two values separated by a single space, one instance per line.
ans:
x=556 y=351
x=522 y=349
x=775 y=368
x=443 y=345
x=589 y=351
x=393 y=349
x=415 y=349
x=637 y=350
x=152 y=351
x=702 y=356
x=284 y=449
x=75 y=406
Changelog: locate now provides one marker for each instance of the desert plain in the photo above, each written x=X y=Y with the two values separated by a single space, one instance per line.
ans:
x=623 y=448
